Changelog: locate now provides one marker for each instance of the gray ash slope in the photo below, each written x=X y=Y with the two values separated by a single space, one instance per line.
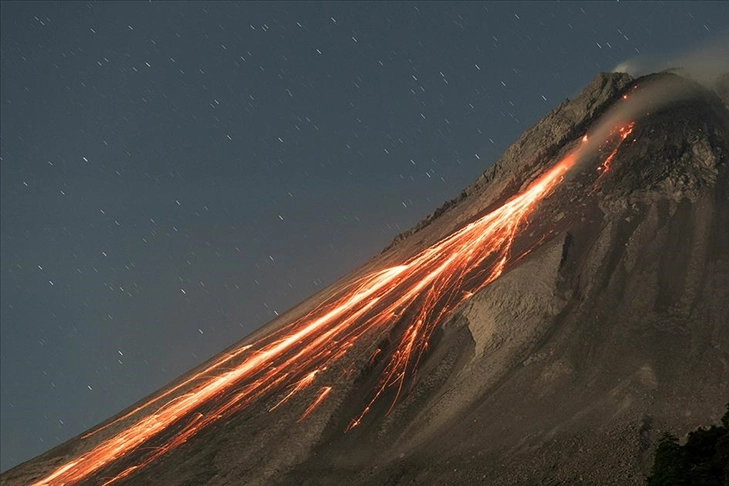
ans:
x=568 y=368
x=565 y=370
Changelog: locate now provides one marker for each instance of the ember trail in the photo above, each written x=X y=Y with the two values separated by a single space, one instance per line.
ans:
x=422 y=291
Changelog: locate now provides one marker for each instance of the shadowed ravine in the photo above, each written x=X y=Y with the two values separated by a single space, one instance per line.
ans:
x=544 y=327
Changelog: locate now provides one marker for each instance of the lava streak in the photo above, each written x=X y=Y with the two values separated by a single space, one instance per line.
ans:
x=617 y=137
x=622 y=133
x=410 y=299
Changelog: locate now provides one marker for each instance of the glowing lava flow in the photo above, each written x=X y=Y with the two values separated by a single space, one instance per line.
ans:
x=413 y=297
x=620 y=133
x=623 y=132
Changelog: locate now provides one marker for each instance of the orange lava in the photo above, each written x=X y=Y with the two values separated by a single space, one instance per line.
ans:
x=413 y=297
x=622 y=132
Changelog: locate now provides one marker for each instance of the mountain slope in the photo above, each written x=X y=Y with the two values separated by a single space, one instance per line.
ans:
x=613 y=331
x=606 y=324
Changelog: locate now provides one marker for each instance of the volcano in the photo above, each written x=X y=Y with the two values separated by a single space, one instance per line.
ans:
x=544 y=327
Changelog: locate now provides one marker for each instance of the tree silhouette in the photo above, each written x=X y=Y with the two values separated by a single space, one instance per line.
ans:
x=702 y=461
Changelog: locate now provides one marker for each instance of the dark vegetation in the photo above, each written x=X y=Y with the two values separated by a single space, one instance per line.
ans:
x=702 y=461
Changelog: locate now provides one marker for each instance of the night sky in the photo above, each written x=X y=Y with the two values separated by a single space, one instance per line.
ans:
x=174 y=175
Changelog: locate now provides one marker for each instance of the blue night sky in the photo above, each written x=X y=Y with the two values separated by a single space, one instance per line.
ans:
x=175 y=174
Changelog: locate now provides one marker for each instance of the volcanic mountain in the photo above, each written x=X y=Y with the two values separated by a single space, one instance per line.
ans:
x=545 y=327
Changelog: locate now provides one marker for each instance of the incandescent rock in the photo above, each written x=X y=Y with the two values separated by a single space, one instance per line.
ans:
x=610 y=328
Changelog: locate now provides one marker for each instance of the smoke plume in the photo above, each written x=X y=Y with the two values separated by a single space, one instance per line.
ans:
x=703 y=64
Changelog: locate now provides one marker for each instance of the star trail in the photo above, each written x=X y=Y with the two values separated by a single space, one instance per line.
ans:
x=175 y=175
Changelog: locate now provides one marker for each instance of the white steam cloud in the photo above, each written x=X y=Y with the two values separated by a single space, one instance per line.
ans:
x=635 y=104
x=703 y=64
x=647 y=97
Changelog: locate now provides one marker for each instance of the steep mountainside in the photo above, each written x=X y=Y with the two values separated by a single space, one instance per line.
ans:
x=568 y=368
x=607 y=325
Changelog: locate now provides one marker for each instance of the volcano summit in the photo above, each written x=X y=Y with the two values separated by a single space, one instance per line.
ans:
x=546 y=326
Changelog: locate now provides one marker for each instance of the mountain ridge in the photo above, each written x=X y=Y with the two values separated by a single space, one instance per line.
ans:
x=550 y=133
x=565 y=369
